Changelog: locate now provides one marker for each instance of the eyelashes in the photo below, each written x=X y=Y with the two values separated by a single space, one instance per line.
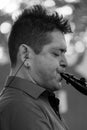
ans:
x=55 y=54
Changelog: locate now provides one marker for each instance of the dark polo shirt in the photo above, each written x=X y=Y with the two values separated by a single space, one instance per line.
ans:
x=25 y=106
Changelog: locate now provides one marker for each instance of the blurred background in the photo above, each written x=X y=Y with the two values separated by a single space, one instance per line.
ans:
x=73 y=104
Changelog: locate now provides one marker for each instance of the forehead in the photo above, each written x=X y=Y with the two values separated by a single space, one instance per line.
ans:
x=57 y=41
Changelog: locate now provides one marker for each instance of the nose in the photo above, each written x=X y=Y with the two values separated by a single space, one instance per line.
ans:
x=63 y=63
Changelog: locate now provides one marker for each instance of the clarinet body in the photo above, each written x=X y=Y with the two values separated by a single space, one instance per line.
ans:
x=79 y=84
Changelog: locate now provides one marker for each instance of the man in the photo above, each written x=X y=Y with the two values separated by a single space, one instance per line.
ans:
x=37 y=52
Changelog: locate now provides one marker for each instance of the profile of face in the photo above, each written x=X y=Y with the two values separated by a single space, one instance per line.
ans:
x=44 y=66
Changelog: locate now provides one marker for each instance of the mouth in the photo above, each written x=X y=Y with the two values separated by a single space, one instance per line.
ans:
x=59 y=77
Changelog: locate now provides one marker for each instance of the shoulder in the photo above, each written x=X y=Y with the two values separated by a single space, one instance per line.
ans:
x=24 y=112
x=27 y=115
x=16 y=101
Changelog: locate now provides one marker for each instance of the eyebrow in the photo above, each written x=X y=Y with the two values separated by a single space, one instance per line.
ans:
x=60 y=49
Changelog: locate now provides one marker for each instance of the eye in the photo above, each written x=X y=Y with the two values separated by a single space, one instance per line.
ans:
x=56 y=54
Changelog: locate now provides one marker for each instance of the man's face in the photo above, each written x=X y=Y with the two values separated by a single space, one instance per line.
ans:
x=52 y=58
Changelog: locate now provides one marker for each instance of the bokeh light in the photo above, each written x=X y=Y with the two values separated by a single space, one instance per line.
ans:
x=12 y=7
x=5 y=27
x=3 y=3
x=65 y=10
x=3 y=56
x=49 y=3
x=72 y=1
x=79 y=47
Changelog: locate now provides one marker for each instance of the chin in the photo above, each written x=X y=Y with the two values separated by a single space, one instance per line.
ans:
x=53 y=86
x=58 y=86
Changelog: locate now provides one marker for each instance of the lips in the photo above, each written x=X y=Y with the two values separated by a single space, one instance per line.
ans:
x=59 y=73
x=59 y=78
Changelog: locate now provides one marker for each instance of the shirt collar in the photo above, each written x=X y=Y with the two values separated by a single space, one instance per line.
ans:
x=28 y=87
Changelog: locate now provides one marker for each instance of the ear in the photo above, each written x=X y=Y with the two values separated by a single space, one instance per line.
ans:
x=25 y=54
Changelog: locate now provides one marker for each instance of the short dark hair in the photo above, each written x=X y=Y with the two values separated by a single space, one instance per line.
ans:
x=31 y=28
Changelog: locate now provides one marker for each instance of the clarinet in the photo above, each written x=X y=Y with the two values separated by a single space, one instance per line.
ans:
x=78 y=84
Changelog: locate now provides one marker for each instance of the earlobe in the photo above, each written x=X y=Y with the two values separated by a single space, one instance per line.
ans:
x=27 y=64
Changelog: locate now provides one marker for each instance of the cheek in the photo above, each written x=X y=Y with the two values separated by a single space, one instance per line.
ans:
x=46 y=68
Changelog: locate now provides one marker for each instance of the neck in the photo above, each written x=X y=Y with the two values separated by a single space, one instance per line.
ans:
x=22 y=73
